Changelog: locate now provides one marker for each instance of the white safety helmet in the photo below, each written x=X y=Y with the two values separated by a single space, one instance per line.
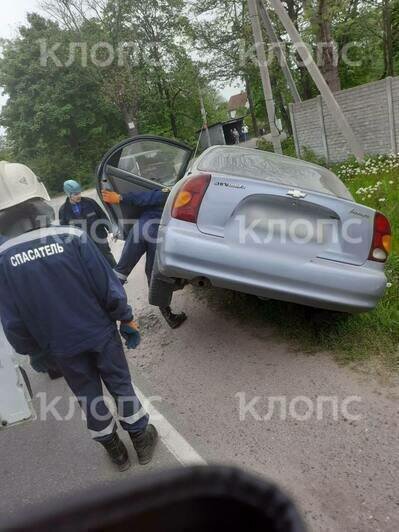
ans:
x=19 y=184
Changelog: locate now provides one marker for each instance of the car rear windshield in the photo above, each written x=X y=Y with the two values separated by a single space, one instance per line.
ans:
x=259 y=164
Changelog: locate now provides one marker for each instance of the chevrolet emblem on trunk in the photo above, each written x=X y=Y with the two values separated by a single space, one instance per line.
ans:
x=296 y=194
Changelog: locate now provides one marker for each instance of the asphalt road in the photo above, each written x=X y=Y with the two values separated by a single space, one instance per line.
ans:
x=341 y=469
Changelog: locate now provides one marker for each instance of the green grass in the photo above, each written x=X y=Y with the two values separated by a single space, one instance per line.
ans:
x=372 y=336
x=376 y=184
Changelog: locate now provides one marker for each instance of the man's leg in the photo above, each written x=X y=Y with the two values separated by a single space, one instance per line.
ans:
x=83 y=378
x=151 y=247
x=114 y=371
x=173 y=320
x=107 y=254
x=133 y=250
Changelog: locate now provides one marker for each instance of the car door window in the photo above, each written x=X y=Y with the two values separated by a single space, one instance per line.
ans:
x=156 y=161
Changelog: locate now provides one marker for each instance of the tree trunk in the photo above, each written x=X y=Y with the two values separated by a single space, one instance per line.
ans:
x=388 y=39
x=164 y=93
x=282 y=107
x=251 y=106
x=306 y=81
x=327 y=54
x=171 y=113
x=130 y=122
x=293 y=7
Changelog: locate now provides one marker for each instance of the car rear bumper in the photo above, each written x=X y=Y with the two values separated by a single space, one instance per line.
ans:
x=185 y=253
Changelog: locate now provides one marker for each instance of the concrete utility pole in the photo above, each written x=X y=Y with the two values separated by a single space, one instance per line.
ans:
x=264 y=73
x=204 y=117
x=327 y=95
x=278 y=50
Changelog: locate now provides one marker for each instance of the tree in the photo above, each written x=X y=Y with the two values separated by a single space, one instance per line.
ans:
x=388 y=45
x=362 y=27
x=223 y=34
x=155 y=57
x=321 y=14
x=295 y=9
x=64 y=113
x=56 y=118
x=395 y=34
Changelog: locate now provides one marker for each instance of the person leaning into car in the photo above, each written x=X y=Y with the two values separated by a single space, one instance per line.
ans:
x=142 y=238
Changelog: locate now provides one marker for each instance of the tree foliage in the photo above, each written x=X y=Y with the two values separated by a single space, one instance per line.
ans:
x=56 y=119
x=61 y=118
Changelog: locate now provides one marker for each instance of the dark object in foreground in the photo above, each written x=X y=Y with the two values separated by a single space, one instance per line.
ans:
x=193 y=499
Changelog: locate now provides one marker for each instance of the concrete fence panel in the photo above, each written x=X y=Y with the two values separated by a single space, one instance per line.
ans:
x=372 y=111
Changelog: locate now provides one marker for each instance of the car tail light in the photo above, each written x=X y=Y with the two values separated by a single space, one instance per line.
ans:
x=189 y=198
x=382 y=239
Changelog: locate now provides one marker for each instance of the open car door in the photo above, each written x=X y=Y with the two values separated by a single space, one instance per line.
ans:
x=140 y=164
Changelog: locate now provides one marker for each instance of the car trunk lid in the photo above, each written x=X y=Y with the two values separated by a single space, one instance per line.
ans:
x=286 y=220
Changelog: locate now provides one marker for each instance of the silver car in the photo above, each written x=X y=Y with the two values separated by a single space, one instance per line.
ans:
x=254 y=222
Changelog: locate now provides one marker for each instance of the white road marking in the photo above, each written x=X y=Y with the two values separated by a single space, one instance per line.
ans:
x=173 y=440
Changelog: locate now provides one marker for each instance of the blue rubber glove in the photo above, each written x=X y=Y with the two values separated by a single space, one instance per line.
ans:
x=130 y=332
x=38 y=361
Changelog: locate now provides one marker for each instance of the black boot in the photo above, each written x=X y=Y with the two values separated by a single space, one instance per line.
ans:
x=173 y=320
x=54 y=374
x=53 y=369
x=144 y=444
x=117 y=452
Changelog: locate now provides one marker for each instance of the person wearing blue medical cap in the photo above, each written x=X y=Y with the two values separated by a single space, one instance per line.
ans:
x=86 y=214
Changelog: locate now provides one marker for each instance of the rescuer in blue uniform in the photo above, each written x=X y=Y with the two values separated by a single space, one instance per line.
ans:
x=143 y=238
x=86 y=214
x=43 y=363
x=59 y=297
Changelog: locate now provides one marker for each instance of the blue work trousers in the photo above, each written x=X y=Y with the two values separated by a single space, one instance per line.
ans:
x=141 y=239
x=85 y=374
